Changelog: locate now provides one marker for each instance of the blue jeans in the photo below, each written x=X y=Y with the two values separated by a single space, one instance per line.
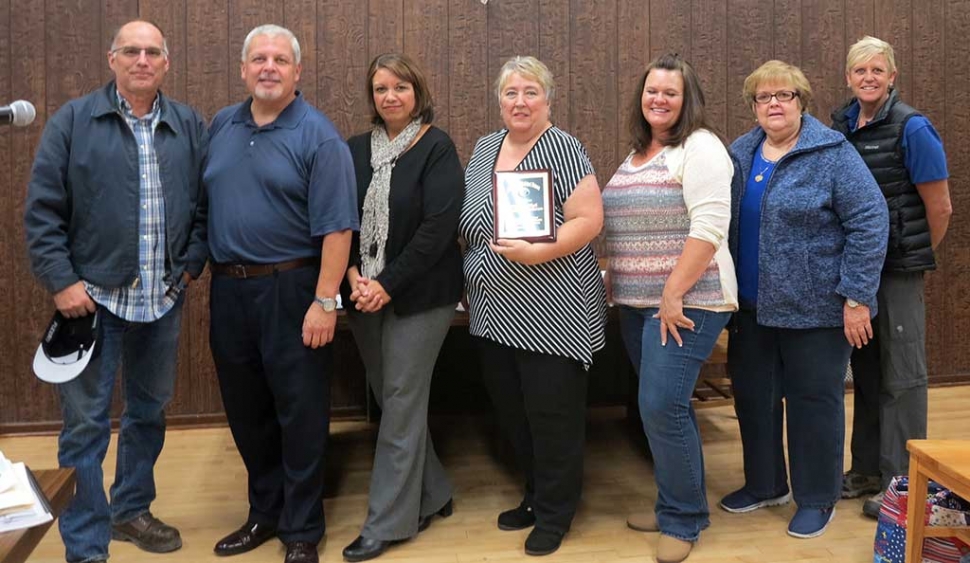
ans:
x=806 y=368
x=147 y=352
x=667 y=378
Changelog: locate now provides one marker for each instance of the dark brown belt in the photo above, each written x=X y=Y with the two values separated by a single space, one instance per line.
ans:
x=256 y=270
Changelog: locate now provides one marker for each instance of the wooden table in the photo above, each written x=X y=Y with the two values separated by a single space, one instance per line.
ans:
x=947 y=462
x=58 y=486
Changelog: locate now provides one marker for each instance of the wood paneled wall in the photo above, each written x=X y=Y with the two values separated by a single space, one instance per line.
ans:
x=54 y=50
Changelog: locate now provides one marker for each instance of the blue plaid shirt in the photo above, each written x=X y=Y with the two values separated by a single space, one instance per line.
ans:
x=150 y=296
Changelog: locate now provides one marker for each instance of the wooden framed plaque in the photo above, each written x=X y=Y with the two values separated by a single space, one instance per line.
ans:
x=524 y=205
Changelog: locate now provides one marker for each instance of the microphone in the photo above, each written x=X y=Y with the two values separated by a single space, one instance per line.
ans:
x=18 y=114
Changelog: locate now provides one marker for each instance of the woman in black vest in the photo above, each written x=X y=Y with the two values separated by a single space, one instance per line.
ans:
x=904 y=153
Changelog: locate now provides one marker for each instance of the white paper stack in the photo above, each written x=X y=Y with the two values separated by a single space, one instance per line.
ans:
x=22 y=504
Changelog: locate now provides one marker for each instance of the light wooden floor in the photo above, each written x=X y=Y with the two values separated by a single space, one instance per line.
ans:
x=201 y=490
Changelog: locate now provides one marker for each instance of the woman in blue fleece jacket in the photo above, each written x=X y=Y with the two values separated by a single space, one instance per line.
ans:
x=808 y=235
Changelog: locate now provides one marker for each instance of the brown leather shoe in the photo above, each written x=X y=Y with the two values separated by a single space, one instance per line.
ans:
x=301 y=552
x=672 y=550
x=148 y=533
x=643 y=521
x=247 y=538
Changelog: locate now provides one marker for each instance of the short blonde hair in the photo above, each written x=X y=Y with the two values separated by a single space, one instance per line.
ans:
x=778 y=71
x=527 y=67
x=866 y=48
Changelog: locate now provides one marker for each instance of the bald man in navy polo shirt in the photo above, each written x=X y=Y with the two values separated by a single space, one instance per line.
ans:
x=282 y=210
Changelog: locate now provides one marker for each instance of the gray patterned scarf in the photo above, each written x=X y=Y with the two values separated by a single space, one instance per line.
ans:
x=374 y=219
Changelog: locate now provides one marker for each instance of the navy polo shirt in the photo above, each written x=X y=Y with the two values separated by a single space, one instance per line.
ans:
x=276 y=190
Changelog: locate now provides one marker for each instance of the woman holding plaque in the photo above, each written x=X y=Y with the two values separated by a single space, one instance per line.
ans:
x=808 y=233
x=404 y=281
x=537 y=306
x=667 y=213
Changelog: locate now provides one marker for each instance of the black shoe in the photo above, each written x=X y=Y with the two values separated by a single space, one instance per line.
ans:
x=362 y=549
x=301 y=552
x=519 y=518
x=542 y=542
x=247 y=538
x=446 y=511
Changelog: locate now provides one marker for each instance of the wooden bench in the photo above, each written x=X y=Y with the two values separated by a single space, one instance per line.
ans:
x=947 y=462
x=612 y=378
x=714 y=387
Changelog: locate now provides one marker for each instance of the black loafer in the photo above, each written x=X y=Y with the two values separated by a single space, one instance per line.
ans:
x=362 y=549
x=519 y=518
x=247 y=538
x=542 y=542
x=447 y=510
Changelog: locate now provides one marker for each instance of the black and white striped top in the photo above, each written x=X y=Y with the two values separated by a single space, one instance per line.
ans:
x=557 y=307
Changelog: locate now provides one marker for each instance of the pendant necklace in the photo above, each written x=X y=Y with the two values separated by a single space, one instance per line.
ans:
x=768 y=164
x=760 y=175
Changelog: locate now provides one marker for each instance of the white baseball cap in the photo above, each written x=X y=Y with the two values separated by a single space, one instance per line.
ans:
x=66 y=348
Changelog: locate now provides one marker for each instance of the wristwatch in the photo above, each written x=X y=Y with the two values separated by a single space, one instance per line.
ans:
x=328 y=304
x=852 y=303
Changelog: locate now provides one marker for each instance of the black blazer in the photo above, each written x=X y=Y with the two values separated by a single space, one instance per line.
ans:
x=423 y=267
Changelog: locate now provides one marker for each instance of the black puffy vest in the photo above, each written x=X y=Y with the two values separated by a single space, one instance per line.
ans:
x=880 y=144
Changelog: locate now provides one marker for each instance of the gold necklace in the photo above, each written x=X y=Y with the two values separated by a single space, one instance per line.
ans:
x=760 y=175
x=768 y=164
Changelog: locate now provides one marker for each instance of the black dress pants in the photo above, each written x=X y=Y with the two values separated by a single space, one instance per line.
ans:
x=276 y=393
x=540 y=401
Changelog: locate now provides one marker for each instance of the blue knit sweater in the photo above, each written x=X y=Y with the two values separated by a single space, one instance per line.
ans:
x=824 y=227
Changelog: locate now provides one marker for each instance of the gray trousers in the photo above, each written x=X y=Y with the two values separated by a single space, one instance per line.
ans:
x=889 y=377
x=399 y=355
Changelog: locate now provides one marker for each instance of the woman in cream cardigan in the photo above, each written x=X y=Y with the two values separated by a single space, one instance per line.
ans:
x=667 y=213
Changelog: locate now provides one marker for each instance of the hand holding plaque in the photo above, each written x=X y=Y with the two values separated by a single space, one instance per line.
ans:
x=524 y=205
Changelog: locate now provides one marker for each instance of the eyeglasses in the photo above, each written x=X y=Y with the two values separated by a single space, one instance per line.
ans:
x=782 y=96
x=132 y=52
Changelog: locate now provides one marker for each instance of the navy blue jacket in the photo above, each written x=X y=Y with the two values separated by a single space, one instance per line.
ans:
x=81 y=216
x=824 y=227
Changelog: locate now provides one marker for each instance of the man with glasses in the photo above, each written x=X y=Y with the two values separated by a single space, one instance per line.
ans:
x=116 y=226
